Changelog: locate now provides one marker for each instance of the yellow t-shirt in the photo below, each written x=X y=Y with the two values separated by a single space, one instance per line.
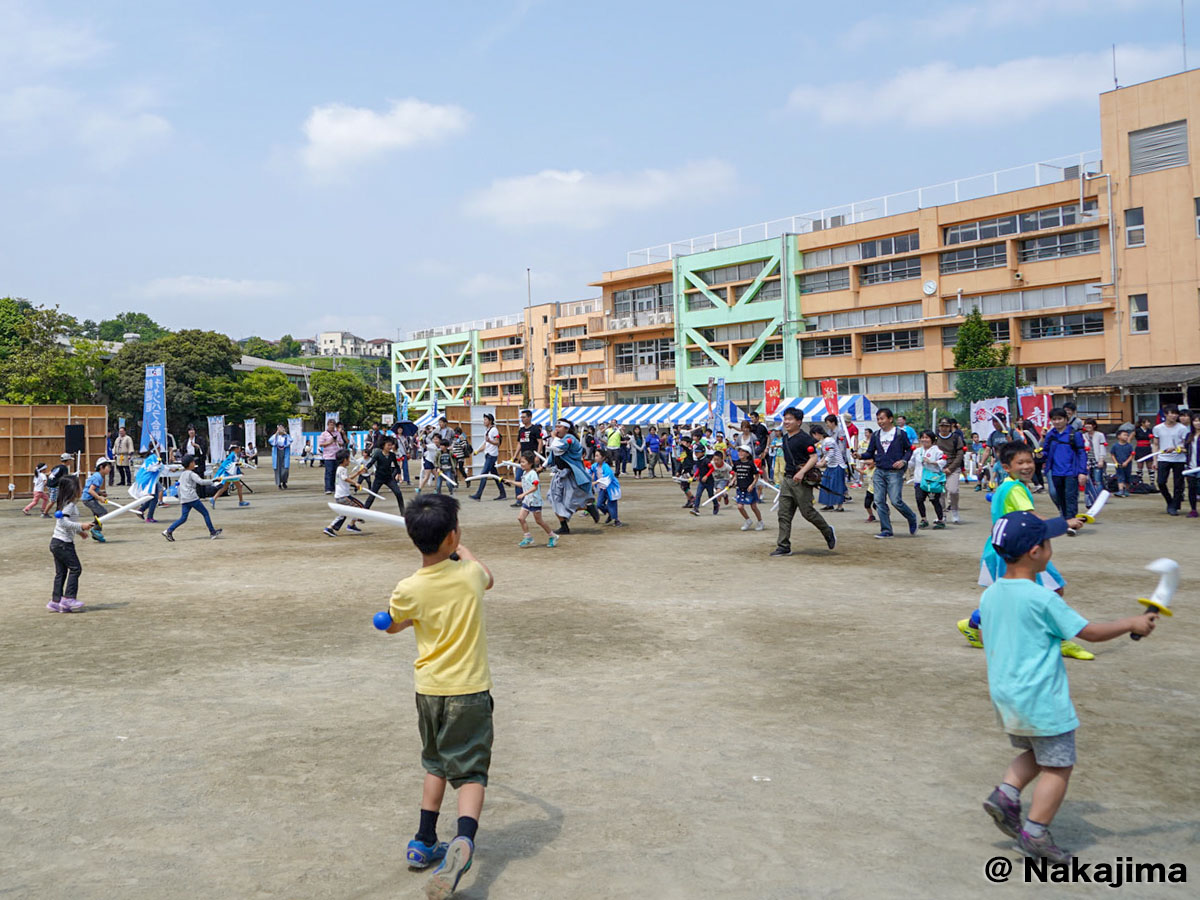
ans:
x=445 y=602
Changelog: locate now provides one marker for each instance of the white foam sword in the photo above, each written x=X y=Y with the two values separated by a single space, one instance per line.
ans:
x=1168 y=582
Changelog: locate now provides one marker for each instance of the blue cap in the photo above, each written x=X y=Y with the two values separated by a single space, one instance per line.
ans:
x=1017 y=533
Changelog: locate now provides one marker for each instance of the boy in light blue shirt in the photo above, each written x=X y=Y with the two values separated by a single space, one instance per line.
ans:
x=1024 y=624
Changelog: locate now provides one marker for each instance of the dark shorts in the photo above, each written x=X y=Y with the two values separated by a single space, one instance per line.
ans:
x=456 y=736
x=426 y=464
x=532 y=509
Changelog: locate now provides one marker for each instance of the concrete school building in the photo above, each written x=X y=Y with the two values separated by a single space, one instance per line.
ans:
x=1087 y=267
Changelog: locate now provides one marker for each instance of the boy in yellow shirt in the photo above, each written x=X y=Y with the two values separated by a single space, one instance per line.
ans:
x=443 y=603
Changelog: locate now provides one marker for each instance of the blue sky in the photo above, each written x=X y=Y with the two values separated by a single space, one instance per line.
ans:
x=270 y=167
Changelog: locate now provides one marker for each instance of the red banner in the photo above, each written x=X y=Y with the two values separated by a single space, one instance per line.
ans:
x=1036 y=408
x=771 y=396
x=829 y=395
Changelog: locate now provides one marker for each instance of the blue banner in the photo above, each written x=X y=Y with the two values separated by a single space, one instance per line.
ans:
x=401 y=404
x=154 y=408
x=434 y=410
x=720 y=411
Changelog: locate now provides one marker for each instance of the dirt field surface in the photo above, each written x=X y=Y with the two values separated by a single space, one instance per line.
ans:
x=677 y=716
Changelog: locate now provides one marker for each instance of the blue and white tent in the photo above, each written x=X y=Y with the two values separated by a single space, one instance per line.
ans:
x=638 y=414
x=858 y=405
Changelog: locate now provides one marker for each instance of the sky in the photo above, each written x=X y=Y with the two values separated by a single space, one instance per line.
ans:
x=380 y=167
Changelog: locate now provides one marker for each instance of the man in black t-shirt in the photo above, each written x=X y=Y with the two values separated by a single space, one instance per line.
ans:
x=800 y=458
x=761 y=435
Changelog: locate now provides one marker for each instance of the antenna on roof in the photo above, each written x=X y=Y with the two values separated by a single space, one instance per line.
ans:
x=1183 y=32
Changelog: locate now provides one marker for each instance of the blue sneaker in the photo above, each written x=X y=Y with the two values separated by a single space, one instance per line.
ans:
x=421 y=855
x=459 y=854
x=912 y=526
x=243 y=503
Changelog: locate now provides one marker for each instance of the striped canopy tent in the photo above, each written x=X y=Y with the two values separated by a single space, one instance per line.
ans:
x=638 y=414
x=858 y=405
x=428 y=418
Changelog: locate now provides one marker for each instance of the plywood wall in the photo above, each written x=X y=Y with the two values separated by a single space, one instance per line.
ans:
x=35 y=434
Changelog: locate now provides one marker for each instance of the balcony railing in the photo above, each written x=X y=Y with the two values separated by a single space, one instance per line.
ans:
x=637 y=375
x=646 y=319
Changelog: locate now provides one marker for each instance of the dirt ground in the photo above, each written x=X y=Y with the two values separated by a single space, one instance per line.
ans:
x=677 y=716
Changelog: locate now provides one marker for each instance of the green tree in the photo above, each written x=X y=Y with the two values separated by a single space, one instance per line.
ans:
x=346 y=393
x=188 y=356
x=288 y=346
x=256 y=346
x=264 y=394
x=982 y=365
x=37 y=363
x=131 y=322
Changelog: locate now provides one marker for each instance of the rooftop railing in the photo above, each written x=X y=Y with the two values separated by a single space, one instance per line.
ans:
x=1064 y=168
x=461 y=327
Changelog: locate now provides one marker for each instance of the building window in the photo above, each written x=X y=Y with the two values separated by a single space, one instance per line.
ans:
x=493 y=377
x=1016 y=301
x=489 y=390
x=988 y=229
x=698 y=359
x=573 y=331
x=564 y=347
x=1056 y=376
x=896 y=270
x=1160 y=147
x=857 y=318
x=744 y=331
x=1139 y=313
x=743 y=272
x=1197 y=202
x=657 y=353
x=820 y=282
x=699 y=301
x=487 y=356
x=515 y=353
x=999 y=327
x=652 y=298
x=991 y=256
x=1135 y=228
x=833 y=346
x=901 y=243
x=768 y=290
x=1057 y=246
x=812 y=388
x=1072 y=325
x=771 y=352
x=592 y=344
x=886 y=341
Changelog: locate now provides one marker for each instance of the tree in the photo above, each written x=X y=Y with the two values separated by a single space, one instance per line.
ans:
x=982 y=365
x=264 y=394
x=188 y=356
x=36 y=364
x=288 y=346
x=256 y=346
x=358 y=403
x=131 y=322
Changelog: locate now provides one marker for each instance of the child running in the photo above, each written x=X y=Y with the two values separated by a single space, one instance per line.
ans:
x=443 y=603
x=686 y=464
x=608 y=489
x=1013 y=495
x=704 y=472
x=929 y=474
x=95 y=496
x=64 y=594
x=39 y=492
x=530 y=497
x=746 y=473
x=343 y=493
x=722 y=475
x=189 y=499
x=1025 y=624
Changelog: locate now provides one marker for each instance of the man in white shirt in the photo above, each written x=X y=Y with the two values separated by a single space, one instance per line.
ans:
x=1169 y=439
x=491 y=455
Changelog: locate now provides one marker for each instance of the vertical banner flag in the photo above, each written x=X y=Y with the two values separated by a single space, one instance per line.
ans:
x=1036 y=408
x=710 y=422
x=983 y=413
x=720 y=406
x=121 y=422
x=433 y=410
x=296 y=430
x=555 y=403
x=771 y=392
x=332 y=417
x=216 y=438
x=400 y=403
x=829 y=395
x=154 y=408
x=251 y=436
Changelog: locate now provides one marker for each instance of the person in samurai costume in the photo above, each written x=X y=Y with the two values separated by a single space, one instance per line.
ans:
x=571 y=485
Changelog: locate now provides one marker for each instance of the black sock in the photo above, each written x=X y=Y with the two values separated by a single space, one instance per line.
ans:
x=427 y=833
x=467 y=827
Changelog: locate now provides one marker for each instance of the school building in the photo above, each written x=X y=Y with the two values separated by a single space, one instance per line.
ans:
x=1087 y=267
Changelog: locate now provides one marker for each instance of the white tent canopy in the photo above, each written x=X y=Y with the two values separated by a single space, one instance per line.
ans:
x=639 y=414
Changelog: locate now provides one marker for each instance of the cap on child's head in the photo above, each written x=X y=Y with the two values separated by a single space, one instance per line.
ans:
x=65 y=457
x=1017 y=533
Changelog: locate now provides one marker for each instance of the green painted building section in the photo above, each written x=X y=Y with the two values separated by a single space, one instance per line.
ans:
x=707 y=315
x=442 y=366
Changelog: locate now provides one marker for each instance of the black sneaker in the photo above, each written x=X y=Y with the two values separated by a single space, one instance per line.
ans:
x=516 y=505
x=831 y=538
x=216 y=534
x=170 y=537
x=780 y=551
x=564 y=528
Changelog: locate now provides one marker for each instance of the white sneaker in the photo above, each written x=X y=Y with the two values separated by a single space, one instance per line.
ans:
x=954 y=518
x=747 y=525
x=758 y=526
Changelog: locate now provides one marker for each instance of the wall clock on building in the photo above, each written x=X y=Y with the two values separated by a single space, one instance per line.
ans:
x=930 y=288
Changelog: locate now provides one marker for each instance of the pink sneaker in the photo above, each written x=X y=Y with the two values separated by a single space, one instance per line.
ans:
x=70 y=604
x=55 y=606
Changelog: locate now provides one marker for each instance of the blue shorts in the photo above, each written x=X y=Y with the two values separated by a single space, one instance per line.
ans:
x=426 y=464
x=745 y=498
x=532 y=509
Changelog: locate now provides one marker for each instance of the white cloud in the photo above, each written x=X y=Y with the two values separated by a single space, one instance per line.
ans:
x=580 y=199
x=942 y=93
x=33 y=43
x=341 y=136
x=199 y=287
x=507 y=24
